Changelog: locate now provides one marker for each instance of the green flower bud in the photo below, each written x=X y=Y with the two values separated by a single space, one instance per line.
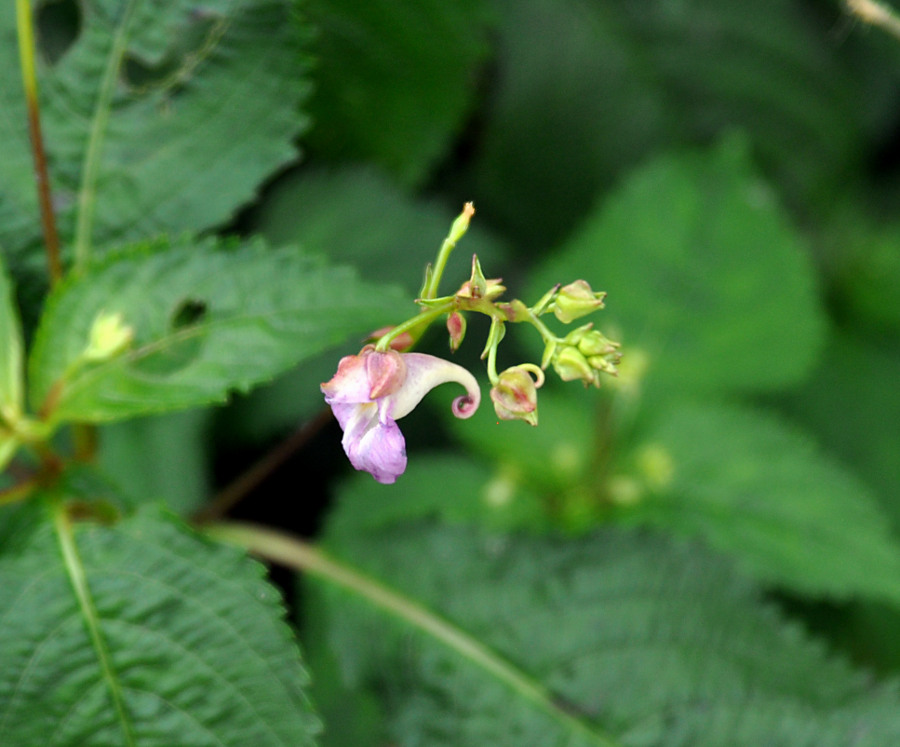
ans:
x=576 y=300
x=573 y=366
x=108 y=337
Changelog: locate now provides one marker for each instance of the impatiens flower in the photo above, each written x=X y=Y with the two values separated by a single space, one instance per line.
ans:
x=373 y=390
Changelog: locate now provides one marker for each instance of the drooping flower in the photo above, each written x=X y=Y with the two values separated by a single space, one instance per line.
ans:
x=372 y=390
x=515 y=393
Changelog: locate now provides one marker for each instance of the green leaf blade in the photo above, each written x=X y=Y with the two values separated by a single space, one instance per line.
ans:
x=159 y=118
x=653 y=642
x=206 y=320
x=197 y=642
x=757 y=490
x=384 y=94
x=706 y=278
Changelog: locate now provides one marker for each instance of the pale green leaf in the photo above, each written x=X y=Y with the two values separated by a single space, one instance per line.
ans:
x=617 y=638
x=11 y=392
x=758 y=490
x=707 y=281
x=161 y=117
x=394 y=81
x=206 y=319
x=10 y=348
x=142 y=634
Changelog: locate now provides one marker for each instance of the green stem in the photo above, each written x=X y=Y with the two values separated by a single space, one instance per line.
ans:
x=29 y=83
x=294 y=553
x=494 y=336
x=457 y=231
x=415 y=325
x=546 y=334
x=75 y=570
x=87 y=193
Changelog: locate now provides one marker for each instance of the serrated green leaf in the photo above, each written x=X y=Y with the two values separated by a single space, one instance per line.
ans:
x=584 y=90
x=706 y=279
x=855 y=412
x=161 y=117
x=636 y=640
x=206 y=319
x=143 y=634
x=757 y=490
x=395 y=79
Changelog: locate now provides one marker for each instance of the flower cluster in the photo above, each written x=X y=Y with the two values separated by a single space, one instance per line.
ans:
x=372 y=390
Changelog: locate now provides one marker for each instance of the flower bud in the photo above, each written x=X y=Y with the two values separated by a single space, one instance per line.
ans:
x=576 y=300
x=571 y=365
x=515 y=393
x=456 y=326
x=595 y=343
x=108 y=337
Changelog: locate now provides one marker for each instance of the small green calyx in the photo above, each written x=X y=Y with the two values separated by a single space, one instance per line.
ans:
x=479 y=287
x=108 y=337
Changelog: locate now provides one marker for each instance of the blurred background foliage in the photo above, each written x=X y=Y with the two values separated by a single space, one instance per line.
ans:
x=727 y=171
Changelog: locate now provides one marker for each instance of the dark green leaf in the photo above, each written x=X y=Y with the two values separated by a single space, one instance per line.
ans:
x=395 y=79
x=626 y=639
x=172 y=640
x=206 y=320
x=707 y=281
x=159 y=118
x=757 y=490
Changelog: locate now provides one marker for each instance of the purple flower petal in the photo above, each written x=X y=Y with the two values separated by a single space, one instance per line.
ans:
x=374 y=446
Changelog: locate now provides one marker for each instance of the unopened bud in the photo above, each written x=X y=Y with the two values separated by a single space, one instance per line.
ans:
x=108 y=337
x=573 y=366
x=456 y=326
x=461 y=224
x=576 y=300
x=515 y=393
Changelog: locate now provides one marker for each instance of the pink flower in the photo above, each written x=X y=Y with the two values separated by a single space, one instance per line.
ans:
x=373 y=390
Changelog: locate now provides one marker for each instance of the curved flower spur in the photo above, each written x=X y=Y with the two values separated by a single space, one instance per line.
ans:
x=373 y=389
